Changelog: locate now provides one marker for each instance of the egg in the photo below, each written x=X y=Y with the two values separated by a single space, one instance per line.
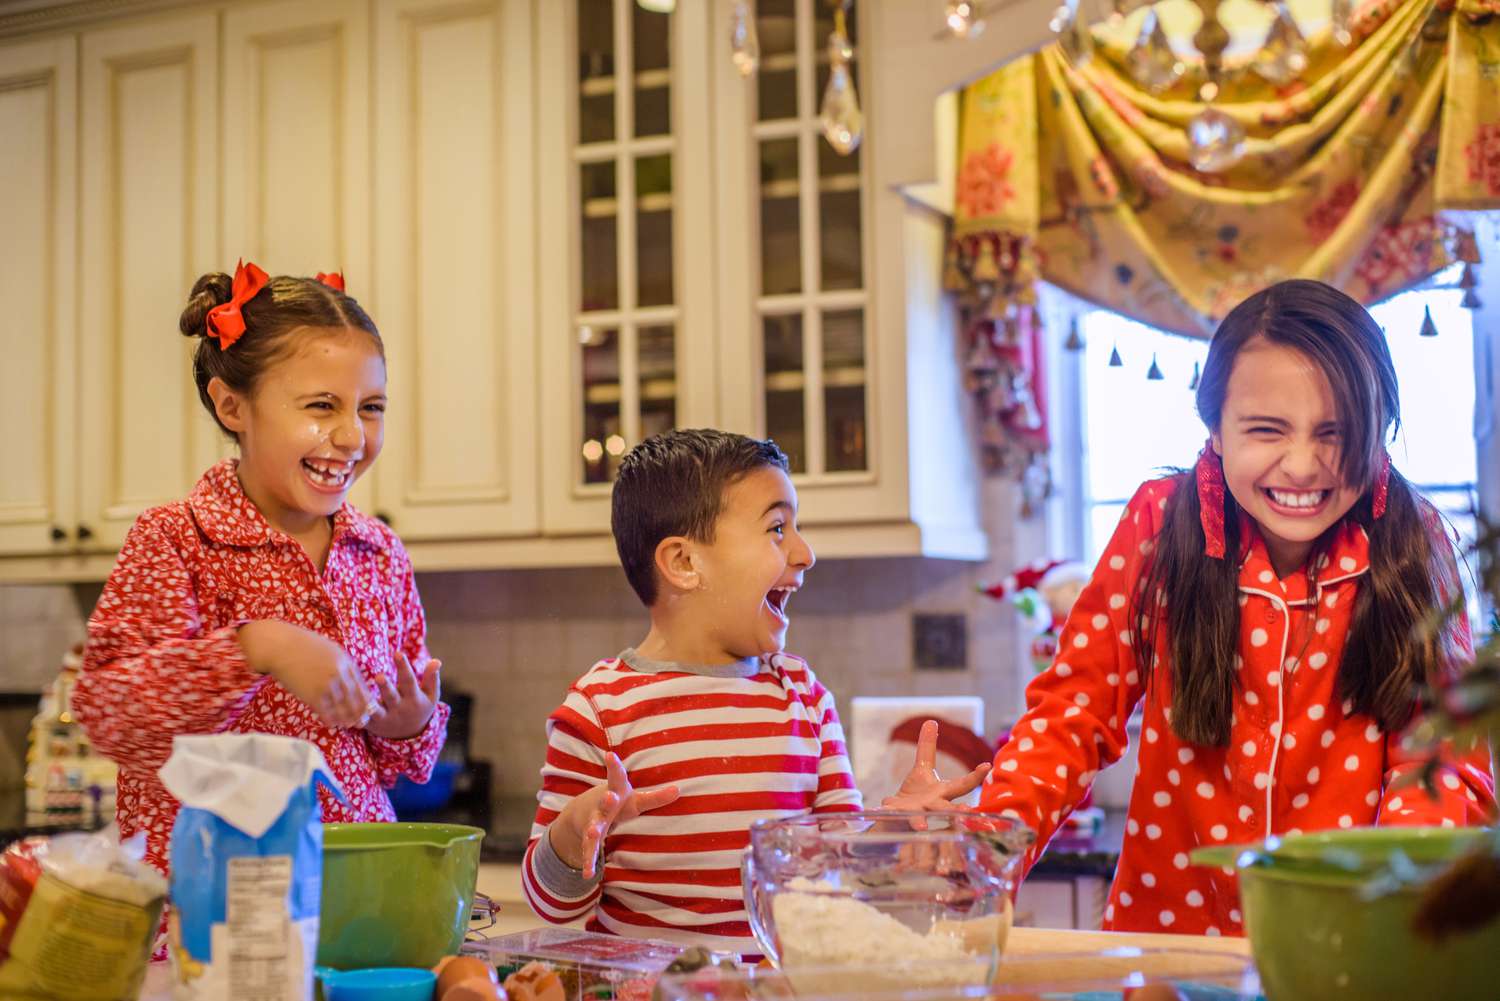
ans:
x=457 y=970
x=1154 y=992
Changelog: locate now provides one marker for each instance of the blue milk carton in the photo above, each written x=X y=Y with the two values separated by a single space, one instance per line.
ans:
x=247 y=866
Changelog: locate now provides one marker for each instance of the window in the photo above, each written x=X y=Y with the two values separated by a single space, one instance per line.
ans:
x=1434 y=448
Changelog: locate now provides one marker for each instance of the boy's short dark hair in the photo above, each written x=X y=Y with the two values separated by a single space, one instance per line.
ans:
x=673 y=484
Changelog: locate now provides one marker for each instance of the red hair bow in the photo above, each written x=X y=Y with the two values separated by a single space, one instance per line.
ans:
x=333 y=279
x=225 y=322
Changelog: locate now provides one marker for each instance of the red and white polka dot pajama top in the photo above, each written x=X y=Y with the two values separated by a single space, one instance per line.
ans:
x=163 y=659
x=1299 y=759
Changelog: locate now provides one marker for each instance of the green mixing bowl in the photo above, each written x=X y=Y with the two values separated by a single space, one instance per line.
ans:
x=396 y=894
x=1316 y=937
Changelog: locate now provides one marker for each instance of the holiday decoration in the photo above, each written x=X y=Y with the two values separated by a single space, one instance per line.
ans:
x=1043 y=593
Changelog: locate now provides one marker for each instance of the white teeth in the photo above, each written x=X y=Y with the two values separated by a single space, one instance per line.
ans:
x=1286 y=498
x=328 y=474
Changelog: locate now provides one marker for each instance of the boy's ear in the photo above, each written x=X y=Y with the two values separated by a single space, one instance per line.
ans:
x=676 y=564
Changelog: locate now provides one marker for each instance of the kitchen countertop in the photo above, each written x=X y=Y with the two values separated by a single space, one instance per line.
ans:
x=1051 y=955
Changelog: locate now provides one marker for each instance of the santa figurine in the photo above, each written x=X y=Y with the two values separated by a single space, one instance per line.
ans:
x=1043 y=592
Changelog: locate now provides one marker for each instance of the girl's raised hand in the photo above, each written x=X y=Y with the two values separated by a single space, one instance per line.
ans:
x=406 y=706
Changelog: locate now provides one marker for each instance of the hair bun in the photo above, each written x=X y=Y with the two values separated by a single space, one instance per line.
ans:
x=213 y=289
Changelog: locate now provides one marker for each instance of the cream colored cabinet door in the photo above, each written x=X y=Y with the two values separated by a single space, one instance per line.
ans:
x=626 y=238
x=455 y=288
x=296 y=144
x=38 y=203
x=148 y=133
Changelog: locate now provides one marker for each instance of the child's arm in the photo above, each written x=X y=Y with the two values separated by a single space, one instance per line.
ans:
x=1076 y=710
x=410 y=749
x=150 y=671
x=837 y=792
x=585 y=791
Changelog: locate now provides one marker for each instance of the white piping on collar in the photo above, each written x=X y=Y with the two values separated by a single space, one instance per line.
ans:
x=1286 y=630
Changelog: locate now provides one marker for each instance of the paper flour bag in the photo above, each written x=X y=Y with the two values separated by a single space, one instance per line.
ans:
x=247 y=866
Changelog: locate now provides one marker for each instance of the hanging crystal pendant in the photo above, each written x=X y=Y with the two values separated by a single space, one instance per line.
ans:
x=744 y=43
x=843 y=123
x=1283 y=56
x=1153 y=374
x=1471 y=300
x=1152 y=62
x=1215 y=141
x=1468 y=279
x=1197 y=376
x=1429 y=329
x=962 y=18
x=1077 y=42
x=1114 y=358
x=1342 y=24
x=1063 y=17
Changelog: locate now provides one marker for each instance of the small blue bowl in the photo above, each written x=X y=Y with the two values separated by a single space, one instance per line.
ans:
x=412 y=800
x=377 y=985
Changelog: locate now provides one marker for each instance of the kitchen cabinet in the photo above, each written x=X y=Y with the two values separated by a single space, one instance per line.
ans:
x=148 y=132
x=455 y=270
x=574 y=222
x=38 y=398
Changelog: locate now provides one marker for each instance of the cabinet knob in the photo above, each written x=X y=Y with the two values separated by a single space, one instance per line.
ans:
x=383 y=516
x=85 y=533
x=58 y=534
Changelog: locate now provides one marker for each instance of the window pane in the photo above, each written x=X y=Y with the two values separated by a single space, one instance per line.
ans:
x=1436 y=375
x=780 y=227
x=598 y=236
x=1102 y=521
x=839 y=218
x=653 y=228
x=596 y=69
x=653 y=75
x=1163 y=429
x=844 y=390
x=785 y=382
x=603 y=443
x=776 y=79
x=658 y=371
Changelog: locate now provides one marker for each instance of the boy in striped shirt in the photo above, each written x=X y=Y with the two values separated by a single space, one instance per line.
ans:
x=664 y=755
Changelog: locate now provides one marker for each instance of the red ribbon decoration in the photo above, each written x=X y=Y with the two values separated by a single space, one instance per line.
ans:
x=333 y=279
x=225 y=322
x=1209 y=473
x=1382 y=485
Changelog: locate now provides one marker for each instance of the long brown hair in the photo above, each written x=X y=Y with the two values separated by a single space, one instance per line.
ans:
x=276 y=320
x=1194 y=598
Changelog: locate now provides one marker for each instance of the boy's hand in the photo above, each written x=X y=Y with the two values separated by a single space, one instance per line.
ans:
x=923 y=790
x=406 y=706
x=584 y=822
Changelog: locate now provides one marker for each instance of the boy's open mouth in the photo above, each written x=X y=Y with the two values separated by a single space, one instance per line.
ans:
x=777 y=599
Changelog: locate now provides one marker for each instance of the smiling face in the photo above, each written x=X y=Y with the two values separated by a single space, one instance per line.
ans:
x=1282 y=444
x=752 y=567
x=312 y=425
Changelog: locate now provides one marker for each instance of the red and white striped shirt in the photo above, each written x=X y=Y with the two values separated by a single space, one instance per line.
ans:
x=742 y=742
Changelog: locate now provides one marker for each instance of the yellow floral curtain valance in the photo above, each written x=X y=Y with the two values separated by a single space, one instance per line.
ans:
x=1079 y=176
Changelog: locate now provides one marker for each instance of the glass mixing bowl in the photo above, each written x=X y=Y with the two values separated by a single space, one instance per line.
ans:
x=894 y=898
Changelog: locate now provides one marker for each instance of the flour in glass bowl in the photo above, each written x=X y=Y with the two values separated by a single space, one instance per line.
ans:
x=819 y=929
